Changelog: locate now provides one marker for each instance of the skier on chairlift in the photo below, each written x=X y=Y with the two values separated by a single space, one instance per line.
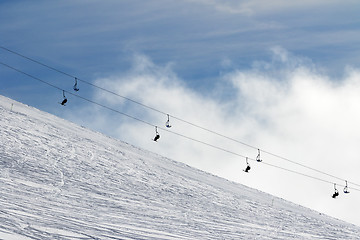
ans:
x=247 y=169
x=336 y=193
x=346 y=190
x=65 y=99
x=157 y=136
x=63 y=102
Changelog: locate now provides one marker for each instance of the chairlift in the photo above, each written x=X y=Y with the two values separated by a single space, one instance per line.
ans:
x=258 y=156
x=167 y=124
x=247 y=169
x=346 y=190
x=157 y=136
x=75 y=86
x=65 y=99
x=336 y=193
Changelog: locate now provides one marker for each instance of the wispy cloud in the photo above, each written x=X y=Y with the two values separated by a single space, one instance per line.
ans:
x=254 y=7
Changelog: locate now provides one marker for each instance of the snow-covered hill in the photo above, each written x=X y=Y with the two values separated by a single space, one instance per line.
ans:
x=62 y=181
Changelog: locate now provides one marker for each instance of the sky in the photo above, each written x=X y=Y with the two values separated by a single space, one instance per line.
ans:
x=283 y=77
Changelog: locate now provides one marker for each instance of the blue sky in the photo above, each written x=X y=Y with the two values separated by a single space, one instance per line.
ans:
x=92 y=39
x=282 y=76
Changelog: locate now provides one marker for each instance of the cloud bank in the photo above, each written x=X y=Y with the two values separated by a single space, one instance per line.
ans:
x=285 y=106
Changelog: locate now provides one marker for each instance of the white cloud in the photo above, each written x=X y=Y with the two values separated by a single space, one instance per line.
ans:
x=308 y=118
x=301 y=115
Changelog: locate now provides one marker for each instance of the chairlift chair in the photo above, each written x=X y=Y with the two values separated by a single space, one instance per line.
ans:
x=346 y=190
x=167 y=124
x=157 y=136
x=258 y=159
x=75 y=86
x=247 y=169
x=65 y=99
x=336 y=193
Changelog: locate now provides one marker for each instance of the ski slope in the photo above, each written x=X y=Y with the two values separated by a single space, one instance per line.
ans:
x=62 y=181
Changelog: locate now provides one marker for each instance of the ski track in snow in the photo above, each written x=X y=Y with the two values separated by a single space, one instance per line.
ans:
x=62 y=181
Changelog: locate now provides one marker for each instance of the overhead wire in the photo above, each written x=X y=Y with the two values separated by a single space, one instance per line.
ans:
x=172 y=116
x=178 y=118
x=83 y=81
x=76 y=95
x=172 y=132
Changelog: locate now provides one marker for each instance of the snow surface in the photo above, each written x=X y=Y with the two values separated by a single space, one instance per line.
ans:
x=62 y=181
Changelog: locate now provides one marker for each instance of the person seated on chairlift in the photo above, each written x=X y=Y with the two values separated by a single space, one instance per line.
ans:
x=247 y=169
x=64 y=101
x=336 y=193
x=156 y=137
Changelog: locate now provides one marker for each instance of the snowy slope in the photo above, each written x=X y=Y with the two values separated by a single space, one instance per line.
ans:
x=61 y=181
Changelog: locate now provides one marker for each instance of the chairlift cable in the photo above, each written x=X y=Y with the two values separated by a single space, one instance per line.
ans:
x=177 y=118
x=86 y=82
x=35 y=61
x=83 y=98
x=167 y=130
x=175 y=133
